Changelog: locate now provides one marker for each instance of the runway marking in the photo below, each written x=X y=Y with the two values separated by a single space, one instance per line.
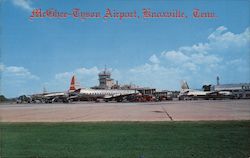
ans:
x=165 y=111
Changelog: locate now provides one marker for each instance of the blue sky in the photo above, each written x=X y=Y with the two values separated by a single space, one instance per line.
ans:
x=147 y=52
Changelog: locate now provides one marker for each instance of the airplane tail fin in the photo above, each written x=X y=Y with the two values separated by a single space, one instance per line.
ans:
x=184 y=85
x=73 y=84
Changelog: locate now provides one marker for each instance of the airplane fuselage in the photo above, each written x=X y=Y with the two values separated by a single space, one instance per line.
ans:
x=106 y=93
x=192 y=94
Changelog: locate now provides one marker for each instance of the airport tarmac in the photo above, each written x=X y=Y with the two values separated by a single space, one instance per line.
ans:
x=148 y=111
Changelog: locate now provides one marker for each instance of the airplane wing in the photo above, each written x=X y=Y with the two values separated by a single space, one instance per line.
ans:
x=221 y=93
x=55 y=94
x=119 y=96
x=113 y=96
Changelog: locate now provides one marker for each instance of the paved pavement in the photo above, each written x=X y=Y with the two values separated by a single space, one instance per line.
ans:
x=150 y=111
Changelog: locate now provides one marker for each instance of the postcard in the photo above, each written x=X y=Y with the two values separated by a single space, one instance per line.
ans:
x=125 y=78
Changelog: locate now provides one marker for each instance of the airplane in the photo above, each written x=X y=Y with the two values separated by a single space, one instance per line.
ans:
x=118 y=95
x=189 y=94
x=51 y=97
x=66 y=96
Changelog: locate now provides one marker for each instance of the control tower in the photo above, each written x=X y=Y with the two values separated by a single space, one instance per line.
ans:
x=218 y=80
x=105 y=80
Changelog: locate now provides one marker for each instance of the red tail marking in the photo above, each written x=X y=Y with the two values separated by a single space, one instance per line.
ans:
x=72 y=84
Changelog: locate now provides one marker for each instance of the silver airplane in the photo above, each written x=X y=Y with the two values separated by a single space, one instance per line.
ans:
x=105 y=94
x=51 y=97
x=188 y=94
x=66 y=96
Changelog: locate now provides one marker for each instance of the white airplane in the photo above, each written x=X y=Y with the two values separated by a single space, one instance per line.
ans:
x=188 y=94
x=105 y=94
x=64 y=96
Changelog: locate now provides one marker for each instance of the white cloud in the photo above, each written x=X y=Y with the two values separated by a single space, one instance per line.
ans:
x=200 y=58
x=220 y=39
x=86 y=71
x=196 y=48
x=234 y=62
x=225 y=54
x=154 y=59
x=154 y=75
x=240 y=65
x=24 y=4
x=194 y=55
x=221 y=28
x=15 y=72
x=17 y=80
x=175 y=56
x=190 y=66
x=86 y=77
x=82 y=72
x=207 y=54
x=217 y=32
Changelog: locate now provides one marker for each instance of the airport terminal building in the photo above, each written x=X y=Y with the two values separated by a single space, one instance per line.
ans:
x=240 y=91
